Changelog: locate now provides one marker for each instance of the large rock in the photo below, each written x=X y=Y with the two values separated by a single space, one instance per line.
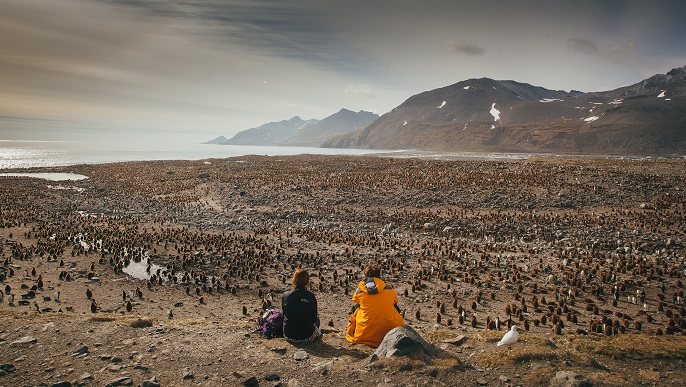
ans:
x=403 y=341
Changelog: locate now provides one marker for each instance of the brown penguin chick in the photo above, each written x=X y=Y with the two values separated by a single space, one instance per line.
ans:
x=89 y=293
x=129 y=306
x=460 y=319
x=245 y=310
x=442 y=308
x=558 y=329
x=438 y=318
x=94 y=307
x=202 y=300
x=473 y=321
x=171 y=314
x=123 y=295
x=330 y=323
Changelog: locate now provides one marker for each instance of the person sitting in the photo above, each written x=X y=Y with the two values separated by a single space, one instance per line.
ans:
x=377 y=313
x=300 y=316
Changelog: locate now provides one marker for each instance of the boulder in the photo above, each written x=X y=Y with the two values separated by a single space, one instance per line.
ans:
x=403 y=341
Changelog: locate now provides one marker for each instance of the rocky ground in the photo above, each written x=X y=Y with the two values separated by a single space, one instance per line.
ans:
x=154 y=273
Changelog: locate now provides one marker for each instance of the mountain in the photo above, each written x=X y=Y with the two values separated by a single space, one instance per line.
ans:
x=648 y=117
x=342 y=122
x=273 y=133
x=219 y=140
x=298 y=132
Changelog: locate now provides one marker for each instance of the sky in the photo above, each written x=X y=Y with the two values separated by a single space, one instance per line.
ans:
x=192 y=70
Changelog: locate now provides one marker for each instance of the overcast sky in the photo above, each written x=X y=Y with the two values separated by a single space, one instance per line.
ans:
x=192 y=70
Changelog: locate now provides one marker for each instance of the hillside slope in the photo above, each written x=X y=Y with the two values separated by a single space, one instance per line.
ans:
x=488 y=115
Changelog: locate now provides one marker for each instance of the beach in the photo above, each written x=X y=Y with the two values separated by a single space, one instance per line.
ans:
x=586 y=256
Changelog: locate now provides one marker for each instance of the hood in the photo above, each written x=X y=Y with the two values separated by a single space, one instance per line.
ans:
x=371 y=285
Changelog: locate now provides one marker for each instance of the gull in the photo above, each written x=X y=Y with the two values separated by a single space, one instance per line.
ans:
x=509 y=338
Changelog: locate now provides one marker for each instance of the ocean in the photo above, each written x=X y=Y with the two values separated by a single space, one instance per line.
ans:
x=30 y=154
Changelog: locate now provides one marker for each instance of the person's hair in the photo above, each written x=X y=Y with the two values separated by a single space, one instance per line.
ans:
x=372 y=271
x=301 y=277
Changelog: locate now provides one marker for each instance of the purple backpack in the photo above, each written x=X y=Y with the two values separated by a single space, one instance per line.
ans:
x=271 y=323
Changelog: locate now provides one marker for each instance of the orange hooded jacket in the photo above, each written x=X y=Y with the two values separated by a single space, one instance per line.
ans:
x=376 y=315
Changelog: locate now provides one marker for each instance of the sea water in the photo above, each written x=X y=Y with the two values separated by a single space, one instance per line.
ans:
x=28 y=154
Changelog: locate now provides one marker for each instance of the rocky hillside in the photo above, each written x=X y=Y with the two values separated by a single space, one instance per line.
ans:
x=488 y=115
x=299 y=132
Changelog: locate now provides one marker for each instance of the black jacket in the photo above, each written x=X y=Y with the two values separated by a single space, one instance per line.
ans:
x=299 y=313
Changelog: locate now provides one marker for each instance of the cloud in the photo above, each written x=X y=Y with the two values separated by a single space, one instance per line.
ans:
x=362 y=89
x=467 y=48
x=298 y=30
x=618 y=52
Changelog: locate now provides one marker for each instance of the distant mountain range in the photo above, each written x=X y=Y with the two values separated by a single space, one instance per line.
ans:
x=299 y=132
x=648 y=117
x=486 y=115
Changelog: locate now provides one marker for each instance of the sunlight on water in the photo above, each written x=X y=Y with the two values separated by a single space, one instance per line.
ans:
x=28 y=154
x=48 y=176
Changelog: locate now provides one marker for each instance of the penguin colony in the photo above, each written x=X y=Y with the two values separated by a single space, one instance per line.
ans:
x=583 y=247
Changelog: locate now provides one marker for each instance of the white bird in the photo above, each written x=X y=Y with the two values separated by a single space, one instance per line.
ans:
x=509 y=338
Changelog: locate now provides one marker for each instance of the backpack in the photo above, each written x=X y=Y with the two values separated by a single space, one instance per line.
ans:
x=271 y=323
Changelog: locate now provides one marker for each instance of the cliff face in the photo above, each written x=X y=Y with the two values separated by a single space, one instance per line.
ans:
x=488 y=115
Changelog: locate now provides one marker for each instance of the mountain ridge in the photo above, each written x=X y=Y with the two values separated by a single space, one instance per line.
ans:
x=648 y=117
x=299 y=132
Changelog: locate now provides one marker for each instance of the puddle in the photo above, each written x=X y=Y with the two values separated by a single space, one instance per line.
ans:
x=139 y=269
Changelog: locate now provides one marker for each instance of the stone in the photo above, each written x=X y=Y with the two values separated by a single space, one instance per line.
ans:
x=7 y=368
x=141 y=323
x=251 y=381
x=188 y=375
x=569 y=379
x=26 y=340
x=86 y=377
x=456 y=340
x=403 y=341
x=123 y=381
x=279 y=350
x=61 y=384
x=481 y=382
x=153 y=382
x=80 y=349
x=295 y=383
x=503 y=378
x=272 y=377
x=300 y=355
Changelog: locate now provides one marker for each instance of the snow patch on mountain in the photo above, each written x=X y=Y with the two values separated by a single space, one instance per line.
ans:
x=495 y=112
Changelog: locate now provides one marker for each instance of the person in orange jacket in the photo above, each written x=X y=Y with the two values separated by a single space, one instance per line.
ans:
x=378 y=310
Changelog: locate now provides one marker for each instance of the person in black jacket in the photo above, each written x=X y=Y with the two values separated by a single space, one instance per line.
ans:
x=300 y=317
